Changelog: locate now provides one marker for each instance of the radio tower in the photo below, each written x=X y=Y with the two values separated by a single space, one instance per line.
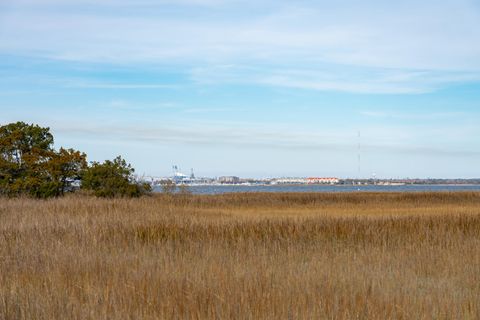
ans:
x=358 y=157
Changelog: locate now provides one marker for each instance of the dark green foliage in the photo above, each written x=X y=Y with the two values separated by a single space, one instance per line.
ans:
x=65 y=166
x=113 y=179
x=30 y=166
x=24 y=150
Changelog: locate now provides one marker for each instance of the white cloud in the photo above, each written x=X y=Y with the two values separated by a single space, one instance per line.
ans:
x=110 y=85
x=415 y=116
x=126 y=105
x=333 y=78
x=408 y=47
x=380 y=139
x=114 y=3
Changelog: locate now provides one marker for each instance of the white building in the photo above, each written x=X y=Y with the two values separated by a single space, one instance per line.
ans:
x=322 y=180
x=229 y=179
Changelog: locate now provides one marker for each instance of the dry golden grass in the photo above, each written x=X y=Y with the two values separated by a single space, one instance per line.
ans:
x=243 y=256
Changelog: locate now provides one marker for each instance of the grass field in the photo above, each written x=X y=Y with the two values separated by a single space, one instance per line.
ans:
x=242 y=256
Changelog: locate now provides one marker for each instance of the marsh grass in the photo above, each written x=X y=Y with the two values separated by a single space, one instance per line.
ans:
x=242 y=256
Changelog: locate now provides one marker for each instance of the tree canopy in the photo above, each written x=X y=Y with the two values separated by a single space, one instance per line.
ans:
x=112 y=179
x=29 y=165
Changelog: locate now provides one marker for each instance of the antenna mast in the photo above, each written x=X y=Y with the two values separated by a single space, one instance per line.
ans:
x=175 y=170
x=358 y=157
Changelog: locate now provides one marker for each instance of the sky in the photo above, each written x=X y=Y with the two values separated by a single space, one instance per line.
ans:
x=251 y=88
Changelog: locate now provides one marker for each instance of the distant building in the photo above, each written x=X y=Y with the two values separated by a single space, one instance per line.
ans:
x=318 y=180
x=180 y=178
x=290 y=181
x=229 y=179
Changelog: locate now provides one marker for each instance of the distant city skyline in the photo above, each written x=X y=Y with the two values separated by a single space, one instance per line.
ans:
x=251 y=88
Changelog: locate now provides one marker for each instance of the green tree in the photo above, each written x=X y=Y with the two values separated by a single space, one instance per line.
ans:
x=65 y=167
x=113 y=179
x=29 y=164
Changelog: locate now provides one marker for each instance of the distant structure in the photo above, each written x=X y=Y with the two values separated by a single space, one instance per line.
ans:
x=178 y=177
x=315 y=180
x=309 y=180
x=359 y=149
x=289 y=180
x=229 y=179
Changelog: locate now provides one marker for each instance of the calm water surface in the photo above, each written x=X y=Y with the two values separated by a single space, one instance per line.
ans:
x=325 y=188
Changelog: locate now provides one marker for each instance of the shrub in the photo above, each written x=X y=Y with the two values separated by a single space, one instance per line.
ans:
x=30 y=166
x=113 y=179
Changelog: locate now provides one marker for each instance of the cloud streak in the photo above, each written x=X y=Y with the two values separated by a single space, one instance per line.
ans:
x=261 y=138
x=333 y=78
x=413 y=116
x=414 y=47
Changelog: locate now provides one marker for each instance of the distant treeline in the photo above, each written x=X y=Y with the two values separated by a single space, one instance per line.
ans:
x=30 y=166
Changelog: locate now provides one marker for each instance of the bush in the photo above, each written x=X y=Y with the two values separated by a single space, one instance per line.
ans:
x=30 y=166
x=113 y=179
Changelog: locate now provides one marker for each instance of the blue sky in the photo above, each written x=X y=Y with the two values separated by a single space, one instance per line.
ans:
x=251 y=88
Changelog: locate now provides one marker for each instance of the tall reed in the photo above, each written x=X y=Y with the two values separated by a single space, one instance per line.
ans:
x=242 y=256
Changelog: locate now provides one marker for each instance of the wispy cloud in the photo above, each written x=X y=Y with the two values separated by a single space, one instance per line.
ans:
x=414 y=116
x=332 y=77
x=214 y=135
x=210 y=110
x=120 y=3
x=410 y=47
x=111 y=85
x=86 y=81
x=121 y=104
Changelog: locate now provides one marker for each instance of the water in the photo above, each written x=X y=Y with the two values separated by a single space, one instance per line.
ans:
x=209 y=189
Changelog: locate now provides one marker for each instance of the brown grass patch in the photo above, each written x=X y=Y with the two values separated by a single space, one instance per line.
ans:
x=242 y=256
